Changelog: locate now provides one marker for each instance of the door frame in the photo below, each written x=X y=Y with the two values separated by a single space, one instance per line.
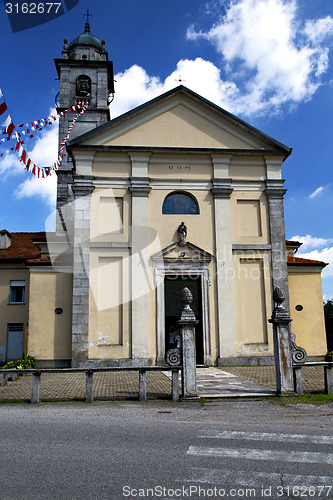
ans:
x=15 y=328
x=199 y=269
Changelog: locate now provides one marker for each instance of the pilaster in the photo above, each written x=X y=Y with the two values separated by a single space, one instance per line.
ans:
x=140 y=190
x=82 y=189
x=275 y=193
x=221 y=191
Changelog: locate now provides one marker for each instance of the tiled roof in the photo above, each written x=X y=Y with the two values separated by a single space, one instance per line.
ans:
x=305 y=262
x=293 y=243
x=22 y=247
x=42 y=261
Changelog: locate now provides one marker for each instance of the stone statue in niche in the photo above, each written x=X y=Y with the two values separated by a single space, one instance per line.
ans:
x=182 y=233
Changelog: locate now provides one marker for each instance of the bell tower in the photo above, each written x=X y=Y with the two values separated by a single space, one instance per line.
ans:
x=85 y=74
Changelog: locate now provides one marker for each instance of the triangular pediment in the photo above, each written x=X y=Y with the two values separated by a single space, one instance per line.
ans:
x=179 y=119
x=187 y=252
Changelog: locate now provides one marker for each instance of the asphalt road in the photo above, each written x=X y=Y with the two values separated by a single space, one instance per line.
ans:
x=155 y=449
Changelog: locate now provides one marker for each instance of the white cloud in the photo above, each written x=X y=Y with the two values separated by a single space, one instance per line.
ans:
x=272 y=59
x=316 y=192
x=263 y=42
x=318 y=253
x=311 y=241
x=9 y=165
x=43 y=154
x=325 y=255
x=319 y=29
x=201 y=76
x=42 y=188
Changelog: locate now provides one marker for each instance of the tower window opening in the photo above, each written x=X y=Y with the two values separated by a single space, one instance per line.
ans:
x=83 y=86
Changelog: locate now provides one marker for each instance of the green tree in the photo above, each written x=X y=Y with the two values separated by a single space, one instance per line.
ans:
x=328 y=310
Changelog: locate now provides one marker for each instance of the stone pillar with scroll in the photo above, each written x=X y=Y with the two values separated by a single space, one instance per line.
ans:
x=282 y=345
x=187 y=324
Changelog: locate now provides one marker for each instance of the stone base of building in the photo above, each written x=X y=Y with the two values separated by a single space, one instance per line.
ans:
x=54 y=363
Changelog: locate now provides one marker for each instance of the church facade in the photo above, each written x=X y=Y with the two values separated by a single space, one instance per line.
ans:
x=177 y=192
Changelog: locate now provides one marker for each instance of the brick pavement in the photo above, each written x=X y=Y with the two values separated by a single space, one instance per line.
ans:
x=72 y=386
x=312 y=376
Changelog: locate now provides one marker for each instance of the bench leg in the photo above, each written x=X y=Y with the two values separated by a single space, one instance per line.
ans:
x=175 y=385
x=142 y=385
x=35 y=387
x=89 y=387
x=298 y=380
x=328 y=380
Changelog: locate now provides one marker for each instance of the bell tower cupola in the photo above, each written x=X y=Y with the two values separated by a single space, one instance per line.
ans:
x=86 y=75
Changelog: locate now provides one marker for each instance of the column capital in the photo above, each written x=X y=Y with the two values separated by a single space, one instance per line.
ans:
x=275 y=189
x=83 y=186
x=273 y=166
x=139 y=186
x=221 y=188
x=139 y=156
x=221 y=163
x=139 y=160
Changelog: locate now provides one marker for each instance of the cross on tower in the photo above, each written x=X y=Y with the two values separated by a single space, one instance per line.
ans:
x=88 y=15
x=180 y=79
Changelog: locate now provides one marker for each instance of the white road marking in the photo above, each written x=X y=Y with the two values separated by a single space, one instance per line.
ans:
x=254 y=479
x=250 y=454
x=264 y=436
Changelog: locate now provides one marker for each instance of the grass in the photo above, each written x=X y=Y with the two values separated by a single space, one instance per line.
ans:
x=3 y=401
x=314 y=399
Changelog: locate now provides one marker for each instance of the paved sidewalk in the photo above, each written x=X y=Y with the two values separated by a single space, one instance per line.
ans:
x=212 y=383
x=218 y=382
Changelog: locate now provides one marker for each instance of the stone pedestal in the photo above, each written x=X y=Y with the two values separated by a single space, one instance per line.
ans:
x=187 y=324
x=282 y=345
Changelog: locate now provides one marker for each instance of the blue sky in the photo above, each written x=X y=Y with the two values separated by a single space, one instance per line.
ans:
x=270 y=62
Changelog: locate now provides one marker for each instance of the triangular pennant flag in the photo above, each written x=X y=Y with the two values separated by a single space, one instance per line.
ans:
x=3 y=108
x=10 y=130
x=6 y=123
x=24 y=157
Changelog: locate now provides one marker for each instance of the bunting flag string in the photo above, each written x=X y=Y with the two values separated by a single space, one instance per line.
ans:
x=32 y=128
x=36 y=126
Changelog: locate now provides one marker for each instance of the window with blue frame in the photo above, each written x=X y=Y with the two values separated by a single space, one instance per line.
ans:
x=180 y=203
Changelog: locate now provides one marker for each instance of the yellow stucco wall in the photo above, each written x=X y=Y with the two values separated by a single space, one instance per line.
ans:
x=178 y=127
x=249 y=220
x=12 y=313
x=109 y=301
x=49 y=333
x=253 y=303
x=308 y=325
